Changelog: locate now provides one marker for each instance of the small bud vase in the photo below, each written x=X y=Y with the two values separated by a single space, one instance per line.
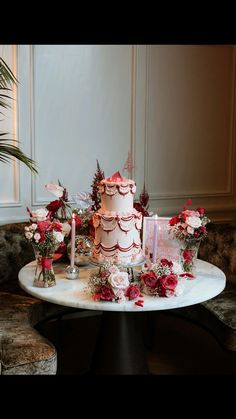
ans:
x=188 y=256
x=44 y=276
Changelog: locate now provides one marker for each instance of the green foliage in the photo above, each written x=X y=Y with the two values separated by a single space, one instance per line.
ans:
x=9 y=151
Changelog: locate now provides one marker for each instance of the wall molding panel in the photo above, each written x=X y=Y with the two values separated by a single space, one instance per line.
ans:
x=172 y=106
x=209 y=195
x=10 y=173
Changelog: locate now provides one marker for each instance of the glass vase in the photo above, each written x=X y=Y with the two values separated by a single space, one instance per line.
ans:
x=44 y=275
x=188 y=256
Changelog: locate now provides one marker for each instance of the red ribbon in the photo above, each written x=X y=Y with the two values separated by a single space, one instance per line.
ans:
x=46 y=262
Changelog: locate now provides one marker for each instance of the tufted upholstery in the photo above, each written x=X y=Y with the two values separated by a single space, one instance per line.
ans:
x=219 y=313
x=22 y=349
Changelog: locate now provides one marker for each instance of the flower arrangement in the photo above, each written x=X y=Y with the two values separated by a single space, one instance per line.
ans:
x=45 y=234
x=189 y=225
x=163 y=279
x=111 y=284
x=59 y=208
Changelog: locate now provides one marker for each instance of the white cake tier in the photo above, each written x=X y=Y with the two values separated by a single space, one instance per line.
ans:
x=117 y=236
x=117 y=197
x=110 y=220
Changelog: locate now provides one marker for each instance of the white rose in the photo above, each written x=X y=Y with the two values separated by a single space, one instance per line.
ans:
x=28 y=235
x=176 y=268
x=119 y=280
x=194 y=222
x=37 y=237
x=55 y=189
x=58 y=236
x=190 y=230
x=66 y=228
x=180 y=287
x=113 y=269
x=39 y=214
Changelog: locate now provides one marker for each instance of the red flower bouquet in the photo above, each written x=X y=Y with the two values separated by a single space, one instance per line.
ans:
x=189 y=227
x=111 y=284
x=163 y=279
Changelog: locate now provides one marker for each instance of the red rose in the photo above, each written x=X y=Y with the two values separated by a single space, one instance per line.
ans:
x=203 y=229
x=62 y=248
x=174 y=220
x=149 y=279
x=44 y=226
x=166 y=262
x=132 y=292
x=168 y=282
x=201 y=211
x=56 y=226
x=54 y=205
x=106 y=293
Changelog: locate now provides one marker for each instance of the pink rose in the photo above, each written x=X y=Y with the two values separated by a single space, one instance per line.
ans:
x=119 y=280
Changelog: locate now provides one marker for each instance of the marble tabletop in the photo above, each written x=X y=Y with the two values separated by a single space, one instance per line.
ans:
x=208 y=283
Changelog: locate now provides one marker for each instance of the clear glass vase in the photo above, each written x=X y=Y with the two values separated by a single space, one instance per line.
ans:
x=188 y=256
x=44 y=275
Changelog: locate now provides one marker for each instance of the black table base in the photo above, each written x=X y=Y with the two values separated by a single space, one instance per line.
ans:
x=119 y=348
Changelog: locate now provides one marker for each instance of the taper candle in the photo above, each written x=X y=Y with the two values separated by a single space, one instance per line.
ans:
x=154 y=248
x=72 y=252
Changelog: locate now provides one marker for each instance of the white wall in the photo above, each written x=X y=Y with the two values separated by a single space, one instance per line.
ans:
x=171 y=106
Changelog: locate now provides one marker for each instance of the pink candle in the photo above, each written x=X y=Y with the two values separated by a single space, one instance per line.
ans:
x=154 y=249
x=72 y=252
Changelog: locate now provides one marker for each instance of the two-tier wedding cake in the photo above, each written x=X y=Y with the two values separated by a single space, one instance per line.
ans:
x=117 y=224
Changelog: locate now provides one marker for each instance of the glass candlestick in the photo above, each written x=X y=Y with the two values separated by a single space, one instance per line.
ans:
x=72 y=272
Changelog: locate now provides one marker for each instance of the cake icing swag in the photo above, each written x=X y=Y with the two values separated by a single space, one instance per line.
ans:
x=117 y=223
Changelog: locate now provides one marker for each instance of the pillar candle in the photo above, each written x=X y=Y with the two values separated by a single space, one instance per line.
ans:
x=72 y=252
x=154 y=248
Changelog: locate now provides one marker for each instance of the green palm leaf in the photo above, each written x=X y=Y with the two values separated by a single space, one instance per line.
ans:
x=9 y=151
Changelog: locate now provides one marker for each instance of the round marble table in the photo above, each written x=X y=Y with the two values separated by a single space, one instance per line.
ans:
x=120 y=349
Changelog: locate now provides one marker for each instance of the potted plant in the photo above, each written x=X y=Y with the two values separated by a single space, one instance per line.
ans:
x=9 y=151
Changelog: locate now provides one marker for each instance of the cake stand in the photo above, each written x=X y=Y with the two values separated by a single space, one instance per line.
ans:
x=128 y=266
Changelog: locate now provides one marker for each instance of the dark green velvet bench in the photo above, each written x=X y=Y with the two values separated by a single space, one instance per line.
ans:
x=218 y=315
x=23 y=350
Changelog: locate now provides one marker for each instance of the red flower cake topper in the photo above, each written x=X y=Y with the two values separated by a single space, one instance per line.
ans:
x=116 y=177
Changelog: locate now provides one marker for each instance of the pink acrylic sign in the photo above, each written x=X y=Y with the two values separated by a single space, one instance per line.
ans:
x=157 y=243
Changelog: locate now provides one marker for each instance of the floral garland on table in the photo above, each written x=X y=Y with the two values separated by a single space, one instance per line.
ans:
x=163 y=279
x=110 y=284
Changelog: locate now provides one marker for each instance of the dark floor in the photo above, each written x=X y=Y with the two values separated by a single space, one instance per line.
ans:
x=179 y=346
